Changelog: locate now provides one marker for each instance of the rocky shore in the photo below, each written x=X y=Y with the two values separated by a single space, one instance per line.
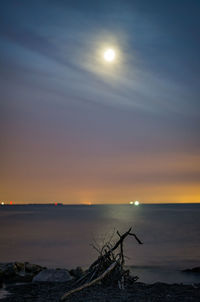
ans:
x=138 y=292
x=33 y=283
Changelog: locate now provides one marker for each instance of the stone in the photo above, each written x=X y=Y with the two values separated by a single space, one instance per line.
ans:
x=77 y=272
x=8 y=270
x=195 y=270
x=1 y=281
x=53 y=275
x=19 y=266
x=33 y=268
x=18 y=271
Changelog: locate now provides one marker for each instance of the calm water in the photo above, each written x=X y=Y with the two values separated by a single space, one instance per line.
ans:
x=61 y=237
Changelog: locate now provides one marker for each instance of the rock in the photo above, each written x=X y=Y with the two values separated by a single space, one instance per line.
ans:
x=195 y=270
x=18 y=271
x=7 y=270
x=77 y=272
x=33 y=268
x=1 y=278
x=53 y=275
x=19 y=266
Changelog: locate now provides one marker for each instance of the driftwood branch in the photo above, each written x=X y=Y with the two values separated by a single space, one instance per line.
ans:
x=109 y=269
x=138 y=240
x=109 y=266
x=117 y=244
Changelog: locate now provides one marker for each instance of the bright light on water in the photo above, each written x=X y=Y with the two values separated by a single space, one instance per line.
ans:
x=131 y=202
x=2 y=203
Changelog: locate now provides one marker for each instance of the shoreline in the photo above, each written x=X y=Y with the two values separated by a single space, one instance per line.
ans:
x=23 y=285
x=137 y=292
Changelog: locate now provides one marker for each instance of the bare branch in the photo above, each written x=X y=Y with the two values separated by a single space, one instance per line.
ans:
x=138 y=240
x=109 y=269
x=111 y=260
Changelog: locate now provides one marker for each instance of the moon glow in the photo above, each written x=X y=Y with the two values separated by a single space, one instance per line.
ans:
x=109 y=55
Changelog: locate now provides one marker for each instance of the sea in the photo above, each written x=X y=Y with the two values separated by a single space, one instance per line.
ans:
x=67 y=236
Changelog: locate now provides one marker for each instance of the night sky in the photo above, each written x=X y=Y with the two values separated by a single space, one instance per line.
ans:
x=77 y=129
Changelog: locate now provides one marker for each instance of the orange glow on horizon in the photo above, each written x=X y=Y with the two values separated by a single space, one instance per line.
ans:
x=87 y=203
x=159 y=178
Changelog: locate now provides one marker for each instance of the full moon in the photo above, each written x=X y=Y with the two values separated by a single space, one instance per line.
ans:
x=109 y=55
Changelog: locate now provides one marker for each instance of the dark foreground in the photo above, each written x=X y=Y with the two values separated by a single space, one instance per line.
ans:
x=138 y=292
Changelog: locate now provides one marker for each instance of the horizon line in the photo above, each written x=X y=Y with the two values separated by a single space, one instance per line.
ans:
x=5 y=203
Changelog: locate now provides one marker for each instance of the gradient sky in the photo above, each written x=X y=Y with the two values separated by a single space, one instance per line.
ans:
x=75 y=129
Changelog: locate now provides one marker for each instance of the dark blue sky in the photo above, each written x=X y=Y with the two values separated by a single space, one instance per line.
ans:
x=77 y=129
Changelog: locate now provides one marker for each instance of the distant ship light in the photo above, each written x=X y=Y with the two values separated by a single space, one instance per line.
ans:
x=136 y=203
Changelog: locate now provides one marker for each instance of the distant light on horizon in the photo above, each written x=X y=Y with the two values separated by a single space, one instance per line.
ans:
x=2 y=203
x=136 y=203
x=86 y=203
